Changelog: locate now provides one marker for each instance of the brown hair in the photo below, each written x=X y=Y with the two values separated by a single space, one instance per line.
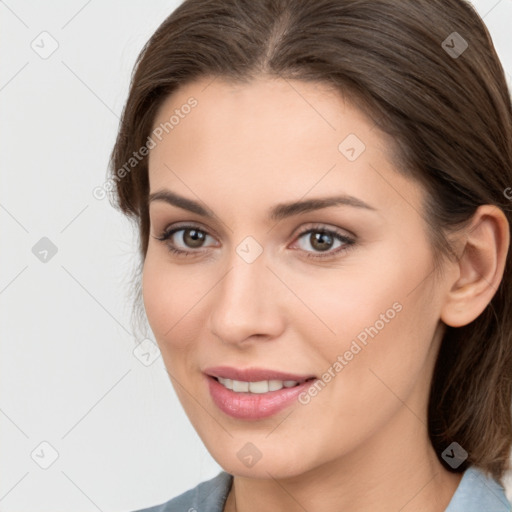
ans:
x=449 y=113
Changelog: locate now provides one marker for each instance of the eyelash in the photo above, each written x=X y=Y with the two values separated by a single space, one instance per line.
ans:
x=348 y=242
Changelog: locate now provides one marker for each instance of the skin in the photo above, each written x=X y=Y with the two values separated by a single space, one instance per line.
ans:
x=362 y=443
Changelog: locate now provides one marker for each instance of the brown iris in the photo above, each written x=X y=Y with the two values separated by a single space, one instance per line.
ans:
x=321 y=241
x=193 y=237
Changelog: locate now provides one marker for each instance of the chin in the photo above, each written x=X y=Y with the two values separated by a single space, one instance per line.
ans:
x=279 y=466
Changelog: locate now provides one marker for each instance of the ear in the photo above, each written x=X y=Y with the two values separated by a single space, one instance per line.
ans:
x=485 y=244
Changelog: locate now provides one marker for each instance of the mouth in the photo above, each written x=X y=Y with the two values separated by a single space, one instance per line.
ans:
x=254 y=393
x=259 y=387
x=255 y=380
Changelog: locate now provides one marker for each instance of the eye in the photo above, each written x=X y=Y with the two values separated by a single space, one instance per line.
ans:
x=317 y=241
x=321 y=242
x=184 y=239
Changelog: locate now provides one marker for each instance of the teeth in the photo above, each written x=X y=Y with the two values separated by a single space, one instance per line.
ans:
x=241 y=387
x=263 y=386
x=275 y=385
x=228 y=383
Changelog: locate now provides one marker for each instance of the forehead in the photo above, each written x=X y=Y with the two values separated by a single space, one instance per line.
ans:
x=267 y=111
x=269 y=137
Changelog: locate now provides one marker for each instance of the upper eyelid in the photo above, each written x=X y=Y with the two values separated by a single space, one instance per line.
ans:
x=172 y=228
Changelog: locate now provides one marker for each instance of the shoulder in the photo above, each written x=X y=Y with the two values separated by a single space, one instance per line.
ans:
x=477 y=492
x=208 y=496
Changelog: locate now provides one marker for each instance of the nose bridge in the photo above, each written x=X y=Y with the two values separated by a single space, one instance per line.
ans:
x=245 y=302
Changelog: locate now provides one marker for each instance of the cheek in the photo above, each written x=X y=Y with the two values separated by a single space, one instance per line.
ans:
x=171 y=298
x=363 y=297
x=384 y=315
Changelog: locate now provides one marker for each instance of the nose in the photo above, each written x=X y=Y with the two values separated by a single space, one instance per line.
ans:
x=247 y=304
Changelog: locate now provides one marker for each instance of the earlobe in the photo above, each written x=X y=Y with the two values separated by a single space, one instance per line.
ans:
x=481 y=266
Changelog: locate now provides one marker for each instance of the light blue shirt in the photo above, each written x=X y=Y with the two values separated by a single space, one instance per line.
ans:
x=476 y=493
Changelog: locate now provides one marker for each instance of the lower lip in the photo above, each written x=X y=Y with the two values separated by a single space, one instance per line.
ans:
x=253 y=406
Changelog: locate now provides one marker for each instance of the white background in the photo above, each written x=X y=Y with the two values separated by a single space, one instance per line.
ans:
x=68 y=373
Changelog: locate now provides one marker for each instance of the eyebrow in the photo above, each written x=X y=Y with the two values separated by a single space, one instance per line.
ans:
x=276 y=213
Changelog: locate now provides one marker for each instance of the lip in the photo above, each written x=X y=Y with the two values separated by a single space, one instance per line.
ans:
x=253 y=406
x=253 y=374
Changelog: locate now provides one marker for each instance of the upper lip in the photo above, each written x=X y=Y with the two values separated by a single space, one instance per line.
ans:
x=253 y=374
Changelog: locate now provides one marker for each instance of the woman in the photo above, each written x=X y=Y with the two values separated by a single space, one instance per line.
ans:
x=321 y=193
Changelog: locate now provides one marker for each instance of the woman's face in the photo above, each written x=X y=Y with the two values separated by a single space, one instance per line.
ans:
x=305 y=258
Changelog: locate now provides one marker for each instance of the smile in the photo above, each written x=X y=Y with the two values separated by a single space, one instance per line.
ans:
x=260 y=387
x=254 y=393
